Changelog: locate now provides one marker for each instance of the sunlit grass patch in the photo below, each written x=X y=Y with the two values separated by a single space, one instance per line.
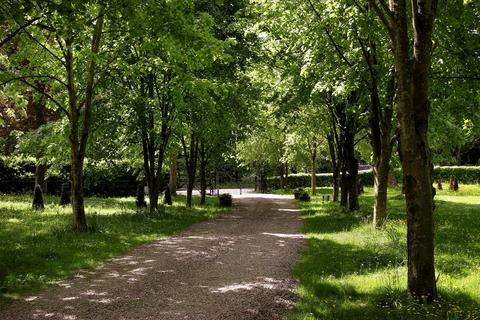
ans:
x=39 y=247
x=353 y=271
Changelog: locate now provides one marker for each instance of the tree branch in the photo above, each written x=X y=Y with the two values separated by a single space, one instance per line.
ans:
x=31 y=77
x=58 y=104
x=44 y=47
x=14 y=33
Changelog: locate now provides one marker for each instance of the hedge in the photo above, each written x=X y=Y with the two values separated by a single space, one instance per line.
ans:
x=114 y=180
x=465 y=174
x=301 y=180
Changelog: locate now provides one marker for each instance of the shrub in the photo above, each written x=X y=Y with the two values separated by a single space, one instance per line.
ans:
x=304 y=196
x=297 y=192
x=225 y=200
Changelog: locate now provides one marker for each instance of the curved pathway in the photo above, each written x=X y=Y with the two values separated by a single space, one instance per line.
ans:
x=236 y=266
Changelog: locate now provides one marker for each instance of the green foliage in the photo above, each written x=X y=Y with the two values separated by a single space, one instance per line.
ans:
x=351 y=271
x=40 y=249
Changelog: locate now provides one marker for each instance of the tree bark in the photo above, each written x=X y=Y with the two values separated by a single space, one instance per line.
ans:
x=79 y=136
x=40 y=173
x=191 y=156
x=203 y=173
x=313 y=157
x=173 y=174
x=413 y=111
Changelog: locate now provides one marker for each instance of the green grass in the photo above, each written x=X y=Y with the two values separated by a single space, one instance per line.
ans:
x=352 y=271
x=39 y=247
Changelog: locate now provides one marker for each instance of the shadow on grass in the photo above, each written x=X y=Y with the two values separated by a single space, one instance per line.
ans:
x=342 y=301
x=40 y=247
x=349 y=273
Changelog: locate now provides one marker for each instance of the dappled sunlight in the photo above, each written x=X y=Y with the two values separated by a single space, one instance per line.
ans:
x=283 y=235
x=259 y=283
x=356 y=272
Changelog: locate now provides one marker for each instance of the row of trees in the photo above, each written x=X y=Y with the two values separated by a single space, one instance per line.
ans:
x=140 y=80
x=341 y=74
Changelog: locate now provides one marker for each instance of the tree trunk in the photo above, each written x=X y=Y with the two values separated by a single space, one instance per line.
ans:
x=313 y=156
x=344 y=189
x=203 y=174
x=40 y=173
x=335 y=166
x=352 y=171
x=173 y=174
x=79 y=130
x=413 y=111
x=79 y=218
x=286 y=174
x=380 y=176
x=191 y=155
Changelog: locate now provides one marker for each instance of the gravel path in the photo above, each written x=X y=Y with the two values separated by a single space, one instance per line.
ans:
x=236 y=266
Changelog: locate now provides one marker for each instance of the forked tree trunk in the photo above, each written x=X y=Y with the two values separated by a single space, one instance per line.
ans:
x=80 y=128
x=413 y=111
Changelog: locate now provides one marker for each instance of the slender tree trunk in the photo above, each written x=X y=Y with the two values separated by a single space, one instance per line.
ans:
x=380 y=176
x=173 y=174
x=40 y=173
x=344 y=189
x=191 y=155
x=313 y=157
x=203 y=173
x=79 y=137
x=79 y=218
x=281 y=172
x=335 y=166
x=286 y=174
x=352 y=167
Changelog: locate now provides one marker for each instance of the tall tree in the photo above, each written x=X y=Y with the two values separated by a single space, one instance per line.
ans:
x=412 y=54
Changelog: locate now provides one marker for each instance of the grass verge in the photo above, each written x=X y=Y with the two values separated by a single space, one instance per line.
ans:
x=352 y=271
x=38 y=248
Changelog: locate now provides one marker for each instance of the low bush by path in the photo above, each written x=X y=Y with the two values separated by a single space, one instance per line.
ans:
x=38 y=247
x=351 y=271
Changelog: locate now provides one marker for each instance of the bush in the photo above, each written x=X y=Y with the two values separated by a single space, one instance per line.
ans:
x=225 y=200
x=297 y=192
x=303 y=196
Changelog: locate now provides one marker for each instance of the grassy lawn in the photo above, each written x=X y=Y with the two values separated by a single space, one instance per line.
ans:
x=38 y=247
x=352 y=271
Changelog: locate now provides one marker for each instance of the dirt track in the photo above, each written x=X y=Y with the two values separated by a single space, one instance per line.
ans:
x=237 y=266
